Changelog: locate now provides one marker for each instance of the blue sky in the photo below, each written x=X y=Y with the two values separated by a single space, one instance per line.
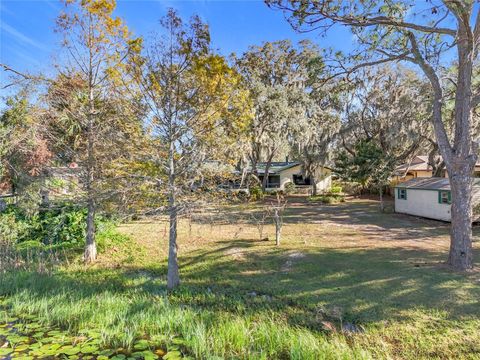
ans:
x=28 y=42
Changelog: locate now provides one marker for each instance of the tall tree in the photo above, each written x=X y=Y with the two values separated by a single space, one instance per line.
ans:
x=389 y=106
x=427 y=35
x=314 y=133
x=189 y=93
x=277 y=77
x=24 y=149
x=96 y=42
x=366 y=164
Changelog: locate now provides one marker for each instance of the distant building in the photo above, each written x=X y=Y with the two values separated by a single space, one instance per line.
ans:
x=428 y=197
x=60 y=182
x=282 y=173
x=420 y=168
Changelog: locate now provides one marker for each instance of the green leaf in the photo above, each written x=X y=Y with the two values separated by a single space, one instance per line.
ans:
x=69 y=350
x=178 y=341
x=118 y=357
x=173 y=355
x=88 y=349
x=141 y=345
x=5 y=351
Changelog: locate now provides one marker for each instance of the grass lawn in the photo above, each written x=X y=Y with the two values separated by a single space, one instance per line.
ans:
x=347 y=282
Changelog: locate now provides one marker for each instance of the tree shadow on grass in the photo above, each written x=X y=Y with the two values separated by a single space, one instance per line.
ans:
x=367 y=285
x=370 y=285
x=363 y=214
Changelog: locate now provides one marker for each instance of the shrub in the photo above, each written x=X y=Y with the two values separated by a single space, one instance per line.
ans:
x=352 y=188
x=256 y=193
x=11 y=228
x=107 y=235
x=30 y=246
x=289 y=188
x=336 y=189
x=327 y=199
x=60 y=227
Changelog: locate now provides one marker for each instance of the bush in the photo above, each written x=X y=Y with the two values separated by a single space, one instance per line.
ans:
x=107 y=235
x=289 y=188
x=256 y=193
x=30 y=246
x=11 y=228
x=60 y=227
x=351 y=188
x=336 y=189
x=327 y=199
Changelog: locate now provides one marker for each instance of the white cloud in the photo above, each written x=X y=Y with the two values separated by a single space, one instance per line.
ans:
x=21 y=37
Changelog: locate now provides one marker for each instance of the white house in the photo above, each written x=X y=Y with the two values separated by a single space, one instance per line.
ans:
x=282 y=173
x=428 y=197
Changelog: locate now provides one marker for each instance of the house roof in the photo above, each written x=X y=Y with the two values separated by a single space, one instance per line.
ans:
x=419 y=163
x=433 y=183
x=276 y=167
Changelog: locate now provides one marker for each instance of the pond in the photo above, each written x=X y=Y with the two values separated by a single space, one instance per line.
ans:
x=27 y=339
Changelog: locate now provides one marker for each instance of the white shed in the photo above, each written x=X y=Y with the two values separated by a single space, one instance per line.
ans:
x=428 y=197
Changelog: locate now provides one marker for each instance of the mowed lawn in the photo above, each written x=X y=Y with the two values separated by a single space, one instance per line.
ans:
x=347 y=282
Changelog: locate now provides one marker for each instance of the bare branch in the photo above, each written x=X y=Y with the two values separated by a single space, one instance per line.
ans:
x=23 y=76
x=437 y=117
x=323 y=13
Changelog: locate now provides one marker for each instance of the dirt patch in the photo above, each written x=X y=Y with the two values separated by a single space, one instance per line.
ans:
x=235 y=253
x=292 y=258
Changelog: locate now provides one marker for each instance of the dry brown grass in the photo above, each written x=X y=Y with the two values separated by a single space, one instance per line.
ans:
x=354 y=224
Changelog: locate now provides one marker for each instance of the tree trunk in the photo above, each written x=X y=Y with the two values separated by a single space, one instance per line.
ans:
x=267 y=169
x=173 y=277
x=244 y=175
x=278 y=227
x=265 y=176
x=90 y=254
x=438 y=166
x=314 y=185
x=380 y=191
x=461 y=163
x=461 y=157
x=460 y=256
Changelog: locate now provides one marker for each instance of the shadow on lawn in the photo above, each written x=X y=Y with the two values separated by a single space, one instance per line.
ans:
x=368 y=285
x=364 y=213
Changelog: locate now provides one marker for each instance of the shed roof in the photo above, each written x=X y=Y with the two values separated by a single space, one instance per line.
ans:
x=433 y=183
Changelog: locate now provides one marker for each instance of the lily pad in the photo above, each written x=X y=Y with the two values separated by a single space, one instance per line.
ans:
x=141 y=345
x=69 y=350
x=88 y=349
x=105 y=353
x=5 y=351
x=119 y=357
x=22 y=347
x=173 y=355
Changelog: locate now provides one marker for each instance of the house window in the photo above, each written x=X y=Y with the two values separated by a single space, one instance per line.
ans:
x=402 y=194
x=273 y=181
x=301 y=180
x=444 y=197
